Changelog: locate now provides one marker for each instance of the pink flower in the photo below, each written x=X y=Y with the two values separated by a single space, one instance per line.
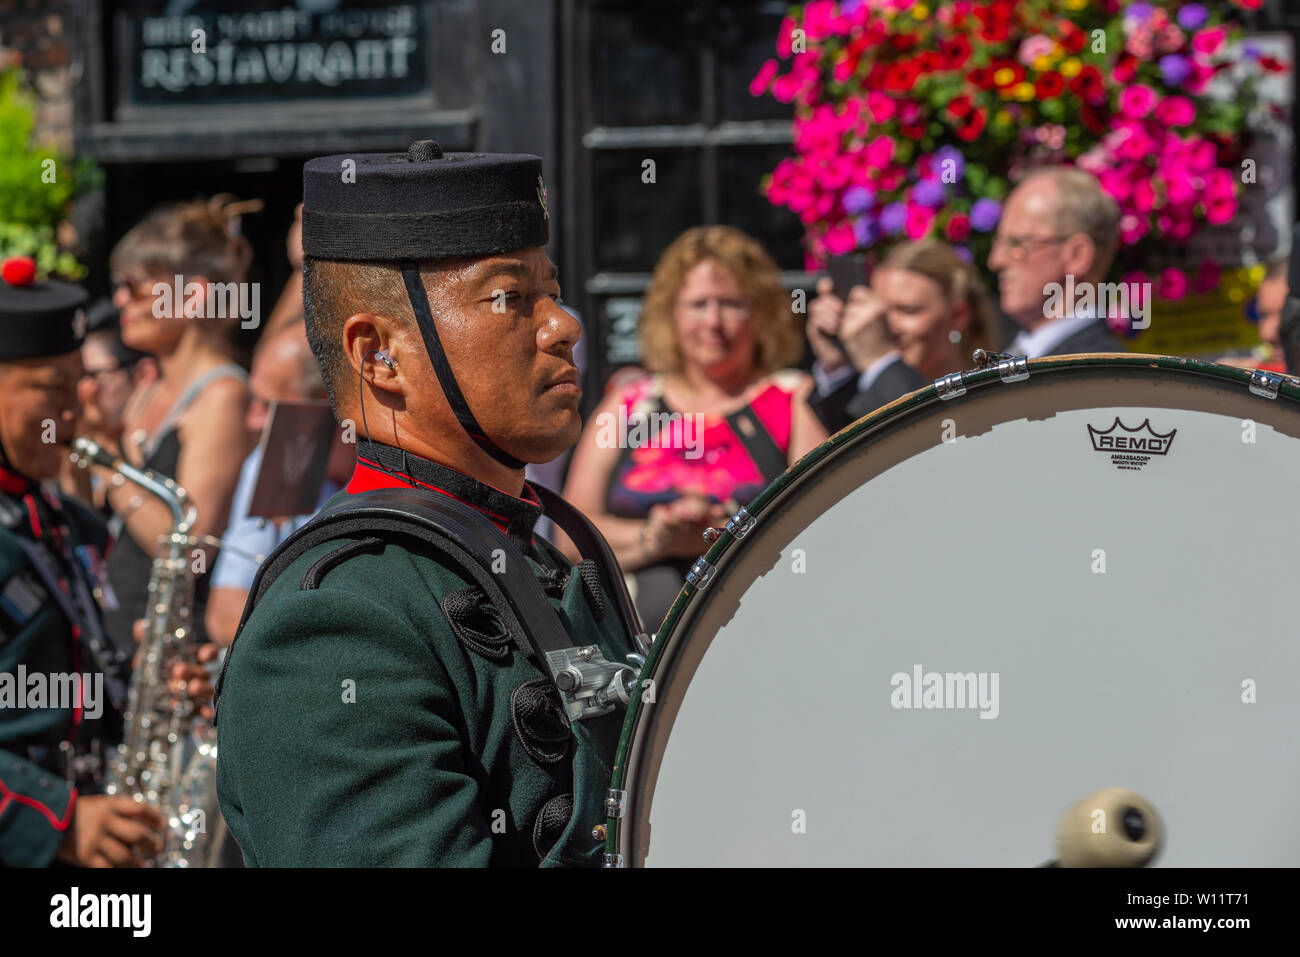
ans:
x=1170 y=38
x=882 y=107
x=1116 y=183
x=1220 y=211
x=1175 y=111
x=1209 y=41
x=880 y=152
x=1220 y=184
x=763 y=78
x=919 y=221
x=1178 y=186
x=1207 y=278
x=840 y=239
x=1132 y=228
x=1144 y=196
x=818 y=19
x=783 y=47
x=1031 y=48
x=1172 y=284
x=909 y=113
x=1137 y=101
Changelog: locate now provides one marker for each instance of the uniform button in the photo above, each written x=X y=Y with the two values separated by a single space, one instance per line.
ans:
x=45 y=782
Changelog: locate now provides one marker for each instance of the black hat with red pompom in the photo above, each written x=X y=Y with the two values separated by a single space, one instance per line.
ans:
x=37 y=317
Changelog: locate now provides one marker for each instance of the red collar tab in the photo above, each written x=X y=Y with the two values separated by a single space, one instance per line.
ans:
x=13 y=482
x=514 y=515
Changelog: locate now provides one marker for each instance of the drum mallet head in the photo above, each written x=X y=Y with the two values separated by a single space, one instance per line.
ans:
x=1114 y=827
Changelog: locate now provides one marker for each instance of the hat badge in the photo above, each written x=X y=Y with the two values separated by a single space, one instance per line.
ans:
x=79 y=324
x=541 y=198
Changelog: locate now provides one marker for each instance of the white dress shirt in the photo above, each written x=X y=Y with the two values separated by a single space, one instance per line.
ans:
x=1048 y=336
x=829 y=382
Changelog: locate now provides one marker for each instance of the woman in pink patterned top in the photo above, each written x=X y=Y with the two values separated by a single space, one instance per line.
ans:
x=719 y=416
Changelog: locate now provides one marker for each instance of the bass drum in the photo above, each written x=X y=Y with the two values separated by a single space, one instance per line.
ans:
x=963 y=615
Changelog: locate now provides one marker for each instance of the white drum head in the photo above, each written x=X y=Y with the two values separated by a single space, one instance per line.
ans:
x=947 y=633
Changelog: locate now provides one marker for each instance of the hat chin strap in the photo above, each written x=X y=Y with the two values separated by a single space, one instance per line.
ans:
x=432 y=345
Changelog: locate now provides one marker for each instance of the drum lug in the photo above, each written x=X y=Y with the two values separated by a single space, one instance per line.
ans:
x=615 y=801
x=741 y=523
x=1013 y=369
x=1265 y=383
x=613 y=860
x=700 y=574
x=950 y=386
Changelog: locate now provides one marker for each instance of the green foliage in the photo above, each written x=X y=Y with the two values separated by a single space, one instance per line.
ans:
x=36 y=185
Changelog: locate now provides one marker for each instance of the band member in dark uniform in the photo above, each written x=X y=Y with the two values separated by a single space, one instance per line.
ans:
x=378 y=705
x=52 y=749
x=62 y=682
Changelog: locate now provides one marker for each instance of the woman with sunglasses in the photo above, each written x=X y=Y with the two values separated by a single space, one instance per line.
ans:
x=189 y=422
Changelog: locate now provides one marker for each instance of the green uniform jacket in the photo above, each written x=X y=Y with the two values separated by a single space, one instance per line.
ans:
x=37 y=636
x=361 y=724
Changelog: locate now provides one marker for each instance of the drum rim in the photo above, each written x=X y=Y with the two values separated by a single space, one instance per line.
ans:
x=1288 y=387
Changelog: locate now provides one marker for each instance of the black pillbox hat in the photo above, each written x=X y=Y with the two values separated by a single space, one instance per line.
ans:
x=422 y=204
x=38 y=318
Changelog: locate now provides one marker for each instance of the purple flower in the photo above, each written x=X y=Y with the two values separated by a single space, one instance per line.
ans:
x=984 y=215
x=893 y=217
x=858 y=199
x=928 y=192
x=963 y=253
x=1192 y=16
x=1250 y=51
x=849 y=6
x=1140 y=12
x=946 y=153
x=866 y=231
x=1175 y=69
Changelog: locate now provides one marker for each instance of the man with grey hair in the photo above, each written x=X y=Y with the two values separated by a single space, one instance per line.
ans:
x=1059 y=233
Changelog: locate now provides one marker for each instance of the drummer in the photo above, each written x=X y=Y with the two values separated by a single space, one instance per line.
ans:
x=374 y=710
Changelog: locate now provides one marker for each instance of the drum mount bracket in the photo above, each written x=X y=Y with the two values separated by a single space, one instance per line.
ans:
x=589 y=684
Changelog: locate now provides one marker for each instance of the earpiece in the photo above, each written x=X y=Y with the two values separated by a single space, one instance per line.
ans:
x=385 y=358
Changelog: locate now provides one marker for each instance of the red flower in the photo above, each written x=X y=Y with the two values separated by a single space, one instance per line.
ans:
x=955 y=52
x=958 y=227
x=19 y=271
x=1072 y=38
x=981 y=77
x=960 y=106
x=1094 y=119
x=913 y=131
x=1125 y=68
x=1088 y=86
x=1272 y=64
x=1049 y=86
x=902 y=42
x=974 y=126
x=902 y=76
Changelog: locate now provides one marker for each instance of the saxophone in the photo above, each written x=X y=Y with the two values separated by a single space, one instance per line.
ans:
x=168 y=756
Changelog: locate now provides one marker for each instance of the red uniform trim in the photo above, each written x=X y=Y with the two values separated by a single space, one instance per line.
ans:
x=12 y=482
x=59 y=824
x=368 y=476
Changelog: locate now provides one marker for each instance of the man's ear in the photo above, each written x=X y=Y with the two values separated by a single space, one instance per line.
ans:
x=1080 y=255
x=365 y=337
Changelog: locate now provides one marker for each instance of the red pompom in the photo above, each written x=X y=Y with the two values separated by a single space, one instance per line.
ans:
x=19 y=271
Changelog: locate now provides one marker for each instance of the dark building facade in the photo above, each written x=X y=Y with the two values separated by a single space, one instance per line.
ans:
x=179 y=98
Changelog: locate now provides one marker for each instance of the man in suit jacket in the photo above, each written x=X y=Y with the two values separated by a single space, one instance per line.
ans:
x=1058 y=223
x=1059 y=231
